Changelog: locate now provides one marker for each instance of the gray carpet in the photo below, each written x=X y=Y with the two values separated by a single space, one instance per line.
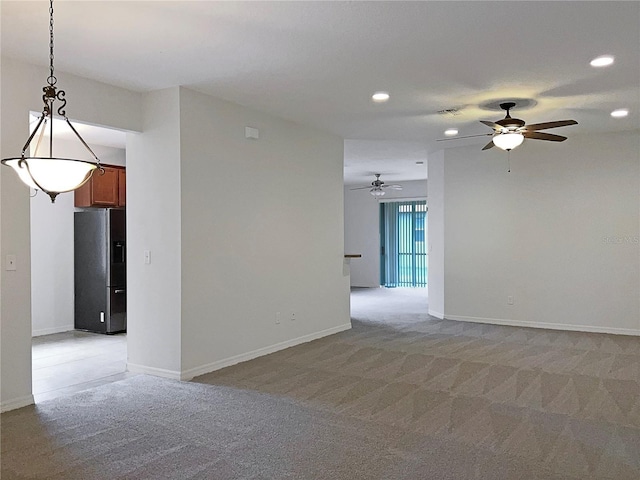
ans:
x=149 y=428
x=397 y=397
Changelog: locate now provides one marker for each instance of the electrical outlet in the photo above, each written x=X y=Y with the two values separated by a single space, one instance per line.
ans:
x=277 y=318
x=510 y=300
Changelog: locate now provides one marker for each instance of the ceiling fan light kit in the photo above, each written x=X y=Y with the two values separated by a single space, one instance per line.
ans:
x=508 y=141
x=52 y=175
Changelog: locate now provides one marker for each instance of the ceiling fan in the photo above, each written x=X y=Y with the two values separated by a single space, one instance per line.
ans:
x=377 y=187
x=510 y=132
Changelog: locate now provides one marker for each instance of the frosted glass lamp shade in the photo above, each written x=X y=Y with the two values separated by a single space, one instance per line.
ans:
x=508 y=141
x=52 y=175
x=376 y=192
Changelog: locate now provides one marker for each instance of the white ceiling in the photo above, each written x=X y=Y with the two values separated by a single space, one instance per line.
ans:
x=318 y=63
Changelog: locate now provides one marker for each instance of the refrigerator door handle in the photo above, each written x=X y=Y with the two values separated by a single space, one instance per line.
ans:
x=119 y=290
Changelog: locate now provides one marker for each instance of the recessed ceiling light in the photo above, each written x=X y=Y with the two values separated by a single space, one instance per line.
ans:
x=380 y=97
x=451 y=132
x=622 y=112
x=602 y=61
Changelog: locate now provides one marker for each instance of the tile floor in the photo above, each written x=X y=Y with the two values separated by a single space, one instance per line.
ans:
x=69 y=362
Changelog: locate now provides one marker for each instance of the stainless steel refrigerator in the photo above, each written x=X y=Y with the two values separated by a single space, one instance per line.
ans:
x=100 y=270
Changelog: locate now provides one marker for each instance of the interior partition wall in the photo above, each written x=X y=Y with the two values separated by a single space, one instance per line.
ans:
x=403 y=240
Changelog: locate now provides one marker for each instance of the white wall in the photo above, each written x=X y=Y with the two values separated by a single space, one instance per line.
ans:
x=362 y=228
x=15 y=300
x=21 y=91
x=307 y=280
x=435 y=221
x=559 y=234
x=52 y=298
x=51 y=264
x=362 y=236
x=262 y=232
x=110 y=155
x=153 y=223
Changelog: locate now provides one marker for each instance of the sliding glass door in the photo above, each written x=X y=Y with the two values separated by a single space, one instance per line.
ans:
x=403 y=239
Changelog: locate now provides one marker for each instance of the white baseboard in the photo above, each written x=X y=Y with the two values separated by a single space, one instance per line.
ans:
x=49 y=331
x=433 y=313
x=157 y=372
x=16 y=403
x=227 y=362
x=550 y=326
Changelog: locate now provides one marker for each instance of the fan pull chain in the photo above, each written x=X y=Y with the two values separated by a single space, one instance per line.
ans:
x=509 y=161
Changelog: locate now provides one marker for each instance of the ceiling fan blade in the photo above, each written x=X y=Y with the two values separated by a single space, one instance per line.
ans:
x=361 y=188
x=493 y=125
x=489 y=145
x=466 y=136
x=393 y=187
x=544 y=126
x=544 y=136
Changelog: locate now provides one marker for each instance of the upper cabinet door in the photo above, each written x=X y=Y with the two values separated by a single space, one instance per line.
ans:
x=122 y=187
x=104 y=191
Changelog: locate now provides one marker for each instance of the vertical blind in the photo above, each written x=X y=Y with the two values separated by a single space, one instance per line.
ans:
x=403 y=238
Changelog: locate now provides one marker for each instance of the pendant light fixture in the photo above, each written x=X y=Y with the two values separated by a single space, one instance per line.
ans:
x=52 y=175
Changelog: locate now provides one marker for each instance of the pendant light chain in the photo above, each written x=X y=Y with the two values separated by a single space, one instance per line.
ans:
x=51 y=174
x=52 y=79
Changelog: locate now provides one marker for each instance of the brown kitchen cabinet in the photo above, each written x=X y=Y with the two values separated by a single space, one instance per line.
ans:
x=106 y=189
x=122 y=187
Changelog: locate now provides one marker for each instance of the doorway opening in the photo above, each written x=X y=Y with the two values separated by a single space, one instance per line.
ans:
x=66 y=360
x=403 y=244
